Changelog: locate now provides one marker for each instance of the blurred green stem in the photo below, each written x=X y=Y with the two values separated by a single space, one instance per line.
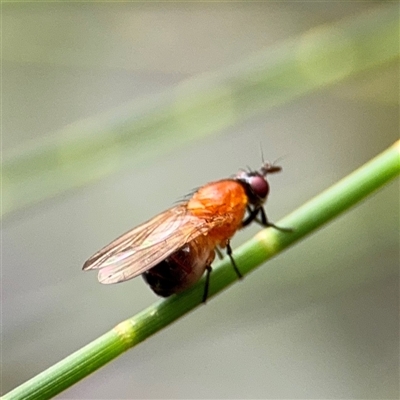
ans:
x=262 y=247
x=100 y=146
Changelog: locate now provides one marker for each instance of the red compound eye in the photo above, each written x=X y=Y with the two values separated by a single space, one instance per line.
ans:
x=259 y=186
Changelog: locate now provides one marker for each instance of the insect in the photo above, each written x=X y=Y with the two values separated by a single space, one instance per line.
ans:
x=174 y=249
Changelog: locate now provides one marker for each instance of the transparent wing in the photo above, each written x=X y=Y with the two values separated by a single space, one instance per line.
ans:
x=148 y=244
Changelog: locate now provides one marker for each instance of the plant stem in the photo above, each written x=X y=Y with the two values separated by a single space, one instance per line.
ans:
x=262 y=247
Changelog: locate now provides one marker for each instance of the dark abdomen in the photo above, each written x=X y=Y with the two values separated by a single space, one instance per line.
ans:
x=182 y=268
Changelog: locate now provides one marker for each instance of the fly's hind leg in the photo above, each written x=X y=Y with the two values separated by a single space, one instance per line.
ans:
x=229 y=252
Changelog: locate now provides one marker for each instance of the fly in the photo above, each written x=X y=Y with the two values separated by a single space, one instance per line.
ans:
x=175 y=248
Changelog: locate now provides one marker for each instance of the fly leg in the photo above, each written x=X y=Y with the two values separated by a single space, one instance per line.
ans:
x=264 y=221
x=258 y=215
x=229 y=252
x=219 y=253
x=207 y=283
x=251 y=217
x=209 y=269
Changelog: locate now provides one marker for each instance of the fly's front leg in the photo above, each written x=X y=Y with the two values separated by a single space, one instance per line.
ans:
x=264 y=222
x=258 y=215
x=251 y=217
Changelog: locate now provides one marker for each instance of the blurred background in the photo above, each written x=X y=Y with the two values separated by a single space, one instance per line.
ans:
x=112 y=112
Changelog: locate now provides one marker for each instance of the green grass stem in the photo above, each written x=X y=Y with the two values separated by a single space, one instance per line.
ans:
x=266 y=244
